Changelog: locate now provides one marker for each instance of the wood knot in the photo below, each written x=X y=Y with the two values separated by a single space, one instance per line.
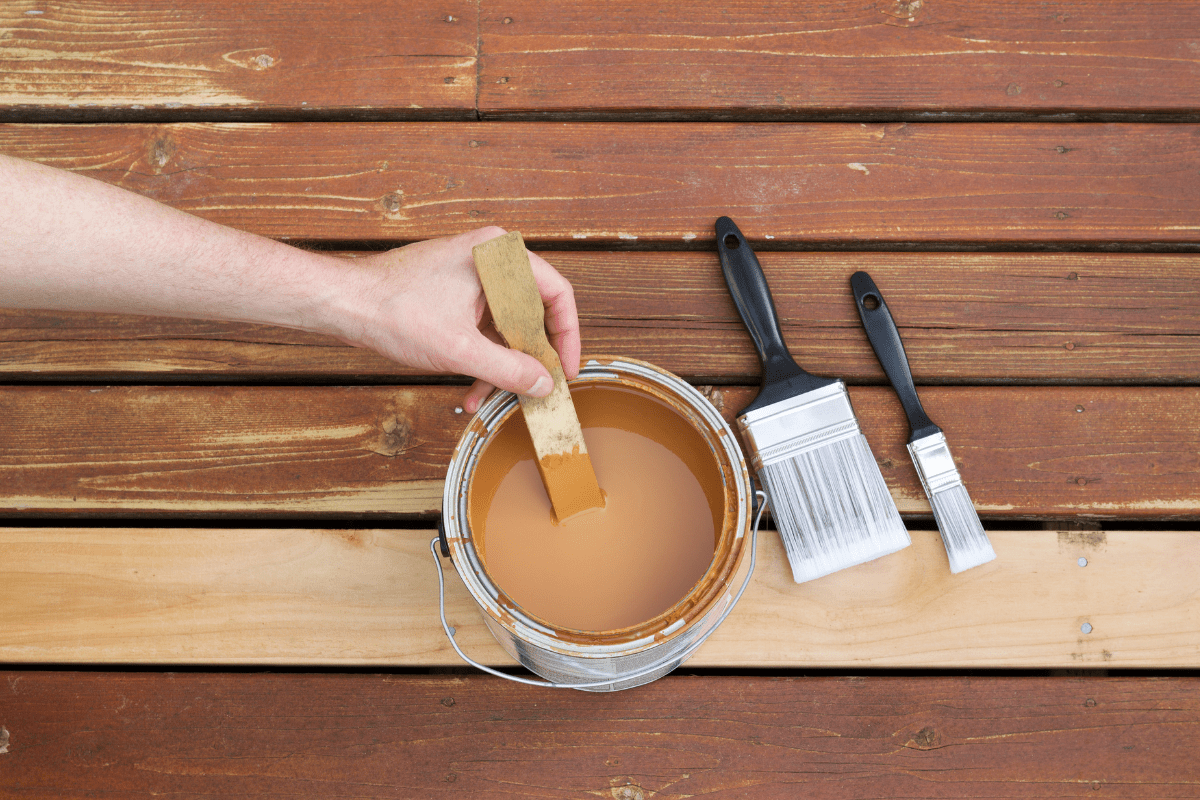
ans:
x=714 y=396
x=393 y=204
x=160 y=152
x=904 y=10
x=628 y=793
x=394 y=438
x=925 y=738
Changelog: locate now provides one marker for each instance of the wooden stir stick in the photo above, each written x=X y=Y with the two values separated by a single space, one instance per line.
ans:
x=517 y=311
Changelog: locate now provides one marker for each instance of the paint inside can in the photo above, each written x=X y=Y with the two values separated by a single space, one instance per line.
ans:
x=677 y=601
x=615 y=567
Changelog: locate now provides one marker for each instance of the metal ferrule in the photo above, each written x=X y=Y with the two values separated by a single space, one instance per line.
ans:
x=797 y=425
x=934 y=464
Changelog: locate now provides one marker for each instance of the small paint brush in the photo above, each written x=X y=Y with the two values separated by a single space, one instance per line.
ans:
x=826 y=492
x=966 y=542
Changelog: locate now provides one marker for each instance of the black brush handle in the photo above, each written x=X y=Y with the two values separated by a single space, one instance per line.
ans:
x=782 y=376
x=885 y=341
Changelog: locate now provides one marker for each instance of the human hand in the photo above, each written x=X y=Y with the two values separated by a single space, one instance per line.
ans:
x=422 y=305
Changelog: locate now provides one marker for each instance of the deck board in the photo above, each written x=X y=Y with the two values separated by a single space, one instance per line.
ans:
x=216 y=59
x=1032 y=318
x=369 y=597
x=892 y=59
x=367 y=736
x=256 y=452
x=840 y=186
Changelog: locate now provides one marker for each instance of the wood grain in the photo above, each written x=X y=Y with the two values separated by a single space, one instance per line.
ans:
x=1091 y=318
x=367 y=736
x=832 y=185
x=348 y=597
x=890 y=59
x=311 y=452
x=215 y=59
x=218 y=451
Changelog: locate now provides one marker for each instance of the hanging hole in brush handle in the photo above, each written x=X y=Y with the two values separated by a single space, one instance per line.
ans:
x=758 y=505
x=889 y=349
x=782 y=376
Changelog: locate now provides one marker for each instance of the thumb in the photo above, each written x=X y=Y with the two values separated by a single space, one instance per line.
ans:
x=507 y=369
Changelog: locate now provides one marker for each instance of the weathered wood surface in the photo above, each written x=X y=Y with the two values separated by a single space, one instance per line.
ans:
x=656 y=184
x=139 y=59
x=982 y=317
x=347 y=597
x=304 y=452
x=890 y=59
x=885 y=59
x=367 y=736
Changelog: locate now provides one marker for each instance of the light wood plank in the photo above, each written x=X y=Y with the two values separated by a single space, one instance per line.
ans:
x=834 y=185
x=265 y=736
x=215 y=59
x=341 y=597
x=889 y=59
x=982 y=317
x=381 y=451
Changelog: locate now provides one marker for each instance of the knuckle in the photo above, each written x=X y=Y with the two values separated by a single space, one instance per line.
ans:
x=480 y=235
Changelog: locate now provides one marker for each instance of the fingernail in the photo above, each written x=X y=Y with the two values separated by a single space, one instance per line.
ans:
x=541 y=387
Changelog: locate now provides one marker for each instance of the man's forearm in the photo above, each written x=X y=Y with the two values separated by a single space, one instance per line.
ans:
x=72 y=243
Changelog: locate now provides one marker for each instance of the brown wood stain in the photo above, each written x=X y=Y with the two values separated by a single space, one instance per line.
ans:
x=618 y=566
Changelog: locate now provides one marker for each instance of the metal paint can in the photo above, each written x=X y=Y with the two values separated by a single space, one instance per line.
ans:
x=608 y=661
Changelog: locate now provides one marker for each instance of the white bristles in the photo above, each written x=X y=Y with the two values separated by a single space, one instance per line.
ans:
x=832 y=508
x=967 y=544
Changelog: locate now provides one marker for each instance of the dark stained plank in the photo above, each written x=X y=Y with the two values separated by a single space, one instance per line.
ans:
x=218 y=451
x=392 y=736
x=658 y=184
x=214 y=59
x=382 y=451
x=888 y=59
x=966 y=318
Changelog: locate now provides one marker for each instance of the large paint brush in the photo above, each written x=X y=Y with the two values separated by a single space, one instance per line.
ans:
x=966 y=542
x=826 y=492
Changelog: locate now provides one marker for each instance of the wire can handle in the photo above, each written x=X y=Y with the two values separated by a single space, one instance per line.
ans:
x=439 y=547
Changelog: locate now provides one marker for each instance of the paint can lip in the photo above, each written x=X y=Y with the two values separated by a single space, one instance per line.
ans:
x=691 y=609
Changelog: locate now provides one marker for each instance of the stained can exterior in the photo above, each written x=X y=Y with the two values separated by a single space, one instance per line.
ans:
x=573 y=657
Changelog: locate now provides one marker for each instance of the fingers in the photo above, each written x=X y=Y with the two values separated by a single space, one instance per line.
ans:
x=475 y=396
x=562 y=317
x=497 y=365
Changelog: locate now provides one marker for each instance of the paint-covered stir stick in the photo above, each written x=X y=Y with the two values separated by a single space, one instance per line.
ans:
x=519 y=316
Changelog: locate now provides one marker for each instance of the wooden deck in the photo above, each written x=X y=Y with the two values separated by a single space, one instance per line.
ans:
x=214 y=562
